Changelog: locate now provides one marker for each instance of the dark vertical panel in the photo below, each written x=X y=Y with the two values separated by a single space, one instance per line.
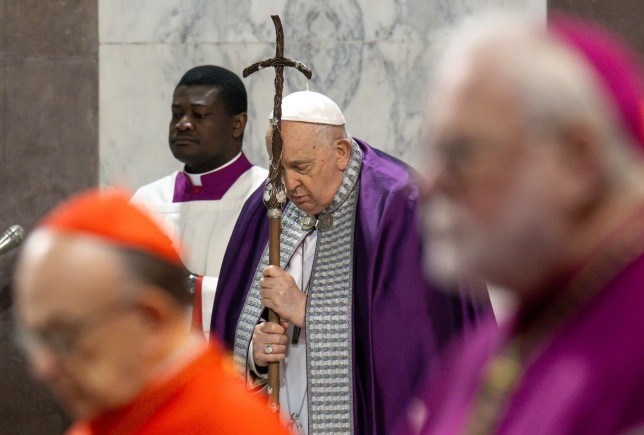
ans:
x=624 y=17
x=48 y=150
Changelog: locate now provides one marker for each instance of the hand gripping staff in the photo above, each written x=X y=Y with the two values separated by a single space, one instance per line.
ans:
x=275 y=192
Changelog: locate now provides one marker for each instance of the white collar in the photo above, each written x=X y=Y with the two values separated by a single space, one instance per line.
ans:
x=195 y=179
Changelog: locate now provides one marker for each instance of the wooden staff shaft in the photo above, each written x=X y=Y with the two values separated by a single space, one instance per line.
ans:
x=274 y=228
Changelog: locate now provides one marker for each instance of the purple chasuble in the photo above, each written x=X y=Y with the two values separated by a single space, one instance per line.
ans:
x=399 y=319
x=586 y=378
x=214 y=184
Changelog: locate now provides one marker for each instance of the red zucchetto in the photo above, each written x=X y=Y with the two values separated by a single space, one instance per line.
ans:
x=110 y=215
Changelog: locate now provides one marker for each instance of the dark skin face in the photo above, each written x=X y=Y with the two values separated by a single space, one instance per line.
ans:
x=202 y=135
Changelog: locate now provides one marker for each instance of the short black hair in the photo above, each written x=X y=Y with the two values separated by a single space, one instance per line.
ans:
x=231 y=89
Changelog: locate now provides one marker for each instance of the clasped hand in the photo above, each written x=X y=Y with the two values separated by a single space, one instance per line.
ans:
x=280 y=293
x=266 y=333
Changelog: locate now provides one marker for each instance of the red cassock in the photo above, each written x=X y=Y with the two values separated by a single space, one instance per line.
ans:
x=206 y=397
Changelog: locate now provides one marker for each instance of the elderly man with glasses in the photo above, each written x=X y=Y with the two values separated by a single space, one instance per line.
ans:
x=101 y=295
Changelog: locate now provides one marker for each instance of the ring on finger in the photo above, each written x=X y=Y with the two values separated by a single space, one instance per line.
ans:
x=268 y=349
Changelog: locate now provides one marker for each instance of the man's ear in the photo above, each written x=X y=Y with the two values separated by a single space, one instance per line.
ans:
x=160 y=319
x=580 y=154
x=157 y=306
x=342 y=152
x=239 y=124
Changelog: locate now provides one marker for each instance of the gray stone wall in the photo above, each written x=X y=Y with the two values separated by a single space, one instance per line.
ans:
x=48 y=150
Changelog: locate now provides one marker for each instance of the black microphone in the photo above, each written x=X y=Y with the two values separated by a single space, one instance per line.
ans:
x=11 y=238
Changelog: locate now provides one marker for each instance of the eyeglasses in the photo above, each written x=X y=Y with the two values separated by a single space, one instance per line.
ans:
x=62 y=337
x=465 y=159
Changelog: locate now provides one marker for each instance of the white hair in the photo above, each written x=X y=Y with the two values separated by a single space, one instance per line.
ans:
x=324 y=133
x=554 y=84
x=327 y=133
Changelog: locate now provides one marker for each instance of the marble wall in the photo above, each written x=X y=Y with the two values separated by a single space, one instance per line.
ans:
x=371 y=57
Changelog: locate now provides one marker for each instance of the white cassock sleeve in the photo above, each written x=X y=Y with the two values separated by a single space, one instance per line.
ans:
x=208 y=287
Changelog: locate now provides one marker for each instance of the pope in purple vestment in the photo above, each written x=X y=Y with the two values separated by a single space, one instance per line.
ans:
x=537 y=173
x=399 y=320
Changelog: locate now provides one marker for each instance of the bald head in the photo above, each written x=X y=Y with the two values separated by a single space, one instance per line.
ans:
x=50 y=261
x=76 y=261
x=97 y=306
x=70 y=293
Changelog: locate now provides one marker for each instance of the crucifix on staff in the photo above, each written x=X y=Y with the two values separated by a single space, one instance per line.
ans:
x=350 y=275
x=275 y=193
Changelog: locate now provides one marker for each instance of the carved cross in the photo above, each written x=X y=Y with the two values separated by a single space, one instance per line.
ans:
x=274 y=192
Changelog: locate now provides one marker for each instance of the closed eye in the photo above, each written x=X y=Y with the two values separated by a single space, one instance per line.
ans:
x=303 y=169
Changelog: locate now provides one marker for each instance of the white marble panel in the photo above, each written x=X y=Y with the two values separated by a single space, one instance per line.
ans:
x=136 y=86
x=371 y=57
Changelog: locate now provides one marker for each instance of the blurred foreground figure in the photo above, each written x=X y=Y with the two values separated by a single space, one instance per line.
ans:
x=100 y=302
x=535 y=142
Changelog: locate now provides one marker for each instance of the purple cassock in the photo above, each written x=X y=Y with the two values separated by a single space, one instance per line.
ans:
x=399 y=320
x=583 y=369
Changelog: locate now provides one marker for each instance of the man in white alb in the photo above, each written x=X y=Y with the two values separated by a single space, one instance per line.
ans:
x=201 y=203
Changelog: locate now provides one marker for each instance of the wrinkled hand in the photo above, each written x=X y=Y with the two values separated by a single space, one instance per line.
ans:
x=280 y=293
x=273 y=334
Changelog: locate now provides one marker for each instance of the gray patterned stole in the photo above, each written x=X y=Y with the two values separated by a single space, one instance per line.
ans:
x=328 y=307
